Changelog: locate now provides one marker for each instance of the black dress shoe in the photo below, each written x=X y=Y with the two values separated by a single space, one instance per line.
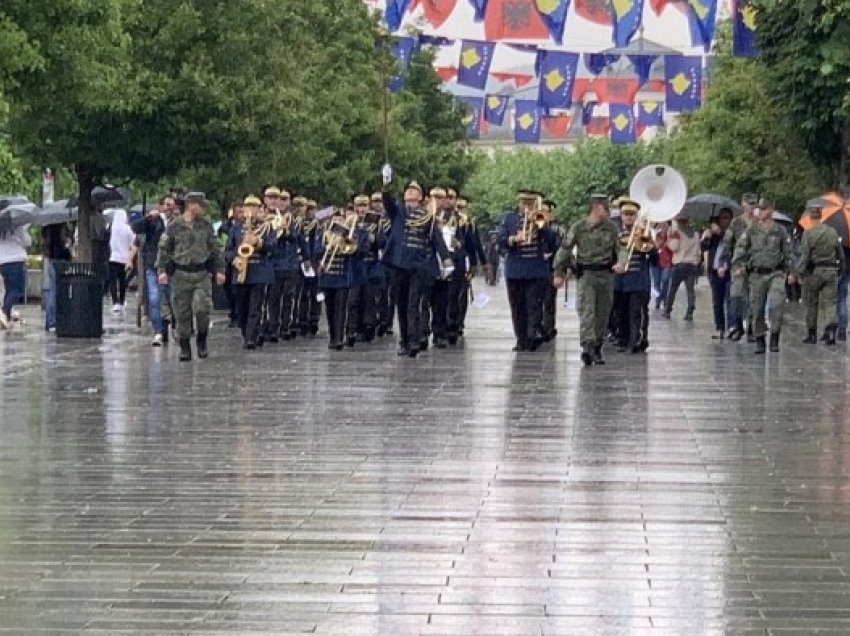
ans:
x=381 y=331
x=774 y=342
x=586 y=357
x=520 y=346
x=452 y=341
x=412 y=353
x=760 y=346
x=249 y=346
x=403 y=351
x=440 y=343
x=349 y=342
x=535 y=343
x=274 y=339
x=597 y=355
x=423 y=345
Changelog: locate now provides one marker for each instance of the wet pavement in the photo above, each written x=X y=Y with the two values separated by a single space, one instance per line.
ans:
x=695 y=490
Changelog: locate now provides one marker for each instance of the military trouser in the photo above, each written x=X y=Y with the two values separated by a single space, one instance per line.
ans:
x=413 y=288
x=739 y=292
x=550 y=303
x=386 y=302
x=463 y=303
x=363 y=312
x=445 y=306
x=309 y=307
x=192 y=296
x=820 y=293
x=525 y=297
x=336 y=305
x=767 y=289
x=281 y=304
x=595 y=297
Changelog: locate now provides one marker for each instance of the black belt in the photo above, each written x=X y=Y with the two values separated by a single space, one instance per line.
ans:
x=191 y=267
x=827 y=264
x=766 y=270
x=595 y=267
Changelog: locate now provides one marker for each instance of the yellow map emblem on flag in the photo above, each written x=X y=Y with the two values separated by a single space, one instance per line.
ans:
x=680 y=84
x=649 y=107
x=493 y=101
x=699 y=8
x=554 y=80
x=621 y=122
x=748 y=17
x=622 y=7
x=467 y=119
x=469 y=58
x=547 y=7
x=525 y=121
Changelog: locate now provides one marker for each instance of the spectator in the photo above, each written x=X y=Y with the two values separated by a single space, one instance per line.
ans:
x=13 y=257
x=684 y=243
x=661 y=272
x=719 y=276
x=121 y=239
x=56 y=242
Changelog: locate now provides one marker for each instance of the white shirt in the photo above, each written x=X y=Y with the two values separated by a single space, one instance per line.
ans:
x=121 y=239
x=13 y=245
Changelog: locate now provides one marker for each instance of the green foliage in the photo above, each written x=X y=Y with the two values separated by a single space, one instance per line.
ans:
x=742 y=141
x=568 y=177
x=804 y=47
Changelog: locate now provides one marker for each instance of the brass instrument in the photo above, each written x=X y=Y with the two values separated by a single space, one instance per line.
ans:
x=246 y=247
x=661 y=193
x=281 y=223
x=534 y=222
x=339 y=240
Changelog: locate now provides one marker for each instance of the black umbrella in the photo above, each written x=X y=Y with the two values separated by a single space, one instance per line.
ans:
x=57 y=212
x=702 y=207
x=7 y=200
x=106 y=196
x=16 y=215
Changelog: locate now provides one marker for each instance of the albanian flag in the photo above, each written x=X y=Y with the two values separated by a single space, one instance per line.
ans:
x=436 y=11
x=514 y=20
x=594 y=10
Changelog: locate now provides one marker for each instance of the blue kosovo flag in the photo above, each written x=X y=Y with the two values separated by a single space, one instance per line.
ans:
x=402 y=50
x=474 y=66
x=554 y=16
x=394 y=13
x=621 y=124
x=598 y=62
x=650 y=113
x=702 y=18
x=627 y=16
x=643 y=66
x=683 y=82
x=472 y=117
x=527 y=117
x=480 y=7
x=495 y=107
x=557 y=72
x=744 y=29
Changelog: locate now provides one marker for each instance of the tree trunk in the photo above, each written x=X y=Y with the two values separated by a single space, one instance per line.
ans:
x=85 y=184
x=844 y=162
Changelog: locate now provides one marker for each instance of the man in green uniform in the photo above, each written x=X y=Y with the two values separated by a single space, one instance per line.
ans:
x=762 y=252
x=820 y=258
x=188 y=253
x=739 y=288
x=596 y=240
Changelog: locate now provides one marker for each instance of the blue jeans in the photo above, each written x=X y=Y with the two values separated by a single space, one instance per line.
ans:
x=842 y=302
x=155 y=291
x=724 y=316
x=48 y=292
x=15 y=281
x=661 y=283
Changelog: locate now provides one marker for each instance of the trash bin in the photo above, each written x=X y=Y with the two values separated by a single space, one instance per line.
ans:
x=79 y=300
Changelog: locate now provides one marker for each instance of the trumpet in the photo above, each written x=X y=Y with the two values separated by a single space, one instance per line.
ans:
x=534 y=222
x=339 y=241
x=282 y=223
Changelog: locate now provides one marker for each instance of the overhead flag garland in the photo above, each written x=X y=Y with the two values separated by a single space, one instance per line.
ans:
x=650 y=114
x=702 y=17
x=514 y=20
x=473 y=115
x=621 y=123
x=554 y=16
x=627 y=16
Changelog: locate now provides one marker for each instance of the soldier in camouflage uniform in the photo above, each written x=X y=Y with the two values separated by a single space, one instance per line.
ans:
x=739 y=287
x=820 y=258
x=596 y=239
x=763 y=253
x=188 y=253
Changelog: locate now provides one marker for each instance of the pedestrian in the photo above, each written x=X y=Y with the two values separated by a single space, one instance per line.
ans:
x=13 y=257
x=820 y=260
x=712 y=244
x=121 y=239
x=684 y=243
x=596 y=241
x=56 y=243
x=188 y=253
x=762 y=251
x=661 y=271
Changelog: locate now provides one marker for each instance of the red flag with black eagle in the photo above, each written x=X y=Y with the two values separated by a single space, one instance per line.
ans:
x=514 y=20
x=436 y=11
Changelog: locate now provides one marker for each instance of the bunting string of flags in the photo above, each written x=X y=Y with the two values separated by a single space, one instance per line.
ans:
x=545 y=100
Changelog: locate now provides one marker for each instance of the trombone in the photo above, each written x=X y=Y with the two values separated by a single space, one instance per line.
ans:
x=340 y=241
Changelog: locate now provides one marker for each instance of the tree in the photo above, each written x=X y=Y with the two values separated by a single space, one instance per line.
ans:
x=804 y=50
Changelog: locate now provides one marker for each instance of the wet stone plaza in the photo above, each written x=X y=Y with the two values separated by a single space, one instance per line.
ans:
x=695 y=490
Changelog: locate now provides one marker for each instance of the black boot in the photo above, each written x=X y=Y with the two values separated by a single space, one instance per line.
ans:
x=830 y=335
x=737 y=333
x=185 y=350
x=597 y=354
x=812 y=337
x=750 y=336
x=587 y=355
x=774 y=342
x=165 y=329
x=760 y=345
x=202 y=345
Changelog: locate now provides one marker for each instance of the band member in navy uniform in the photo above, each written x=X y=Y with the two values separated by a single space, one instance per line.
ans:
x=449 y=291
x=309 y=306
x=336 y=255
x=527 y=241
x=365 y=321
x=462 y=206
x=550 y=296
x=386 y=300
x=413 y=246
x=256 y=238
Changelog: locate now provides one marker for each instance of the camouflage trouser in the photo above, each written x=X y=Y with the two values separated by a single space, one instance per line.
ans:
x=820 y=294
x=767 y=289
x=192 y=293
x=595 y=298
x=739 y=293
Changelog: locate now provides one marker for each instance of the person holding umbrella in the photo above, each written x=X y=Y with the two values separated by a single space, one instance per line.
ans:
x=13 y=255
